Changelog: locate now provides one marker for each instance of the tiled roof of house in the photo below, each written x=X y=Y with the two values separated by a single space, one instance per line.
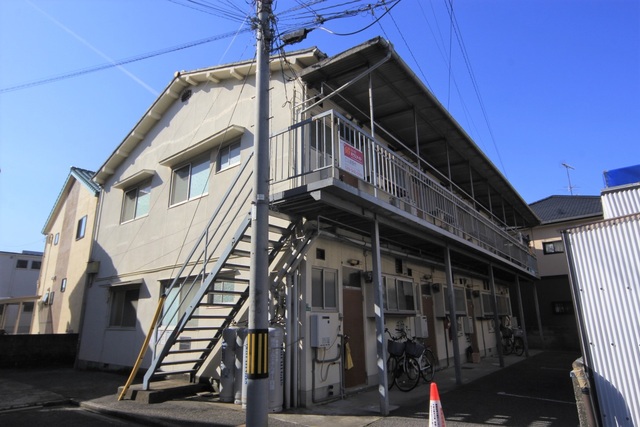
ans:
x=564 y=208
x=85 y=176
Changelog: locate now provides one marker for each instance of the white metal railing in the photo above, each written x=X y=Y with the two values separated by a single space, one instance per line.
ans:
x=328 y=144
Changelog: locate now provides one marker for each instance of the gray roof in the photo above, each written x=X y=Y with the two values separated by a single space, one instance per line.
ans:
x=83 y=176
x=407 y=111
x=565 y=208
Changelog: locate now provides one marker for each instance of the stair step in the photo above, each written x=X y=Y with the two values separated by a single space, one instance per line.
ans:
x=241 y=253
x=207 y=316
x=186 y=340
x=222 y=292
x=203 y=328
x=193 y=350
x=217 y=305
x=167 y=373
x=182 y=362
x=243 y=267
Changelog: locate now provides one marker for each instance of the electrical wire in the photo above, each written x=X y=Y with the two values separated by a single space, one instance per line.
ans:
x=118 y=63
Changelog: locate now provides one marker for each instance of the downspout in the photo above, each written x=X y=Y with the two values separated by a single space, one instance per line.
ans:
x=522 y=322
x=295 y=337
x=496 y=320
x=288 y=355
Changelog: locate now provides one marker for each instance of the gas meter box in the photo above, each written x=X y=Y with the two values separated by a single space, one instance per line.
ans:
x=324 y=329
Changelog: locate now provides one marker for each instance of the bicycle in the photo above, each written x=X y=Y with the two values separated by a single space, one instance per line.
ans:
x=512 y=341
x=424 y=356
x=403 y=370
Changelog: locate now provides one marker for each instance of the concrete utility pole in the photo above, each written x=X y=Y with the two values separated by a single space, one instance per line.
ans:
x=257 y=366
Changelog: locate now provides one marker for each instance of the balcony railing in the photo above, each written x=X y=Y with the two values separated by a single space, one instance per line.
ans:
x=329 y=145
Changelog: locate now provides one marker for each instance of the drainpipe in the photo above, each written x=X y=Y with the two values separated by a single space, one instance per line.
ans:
x=288 y=355
x=294 y=353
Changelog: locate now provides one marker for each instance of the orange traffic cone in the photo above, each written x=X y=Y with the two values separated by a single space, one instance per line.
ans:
x=436 y=416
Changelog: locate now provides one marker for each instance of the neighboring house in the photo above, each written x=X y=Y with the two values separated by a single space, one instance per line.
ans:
x=374 y=189
x=18 y=278
x=604 y=263
x=556 y=319
x=66 y=268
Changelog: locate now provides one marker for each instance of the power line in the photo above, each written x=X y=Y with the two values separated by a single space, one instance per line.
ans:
x=129 y=60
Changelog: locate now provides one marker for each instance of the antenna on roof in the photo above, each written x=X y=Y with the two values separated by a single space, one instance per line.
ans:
x=571 y=187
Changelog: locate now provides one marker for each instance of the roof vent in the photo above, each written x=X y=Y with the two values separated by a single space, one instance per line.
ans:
x=186 y=95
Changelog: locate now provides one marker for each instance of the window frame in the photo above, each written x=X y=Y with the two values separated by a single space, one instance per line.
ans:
x=189 y=194
x=122 y=316
x=36 y=265
x=56 y=239
x=63 y=285
x=81 y=228
x=232 y=161
x=22 y=264
x=553 y=244
x=136 y=213
x=391 y=284
x=326 y=304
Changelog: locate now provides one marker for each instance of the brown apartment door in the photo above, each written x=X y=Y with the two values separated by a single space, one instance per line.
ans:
x=355 y=372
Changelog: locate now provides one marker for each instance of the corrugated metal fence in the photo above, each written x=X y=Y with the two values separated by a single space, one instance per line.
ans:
x=604 y=260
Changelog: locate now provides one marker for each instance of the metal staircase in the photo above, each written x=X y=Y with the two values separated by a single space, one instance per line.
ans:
x=209 y=292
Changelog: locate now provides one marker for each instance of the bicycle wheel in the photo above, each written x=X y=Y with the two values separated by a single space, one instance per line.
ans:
x=518 y=346
x=427 y=365
x=507 y=346
x=392 y=367
x=408 y=374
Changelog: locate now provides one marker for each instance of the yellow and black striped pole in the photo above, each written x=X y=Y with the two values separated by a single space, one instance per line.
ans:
x=258 y=353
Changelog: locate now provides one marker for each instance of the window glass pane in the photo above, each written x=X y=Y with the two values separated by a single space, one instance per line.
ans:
x=129 y=205
x=22 y=263
x=316 y=288
x=116 y=309
x=82 y=226
x=392 y=295
x=35 y=265
x=405 y=295
x=130 y=307
x=180 y=184
x=170 y=307
x=330 y=289
x=199 y=179
x=144 y=197
x=234 y=154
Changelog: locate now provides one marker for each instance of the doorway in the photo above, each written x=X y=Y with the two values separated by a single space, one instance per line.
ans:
x=355 y=370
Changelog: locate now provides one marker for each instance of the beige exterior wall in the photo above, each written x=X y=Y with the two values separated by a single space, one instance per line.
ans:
x=65 y=261
x=151 y=248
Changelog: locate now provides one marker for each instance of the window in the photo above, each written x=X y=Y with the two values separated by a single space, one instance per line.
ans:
x=22 y=263
x=82 y=228
x=399 y=295
x=35 y=265
x=324 y=289
x=63 y=285
x=136 y=202
x=124 y=304
x=229 y=156
x=190 y=181
x=555 y=247
x=220 y=297
x=56 y=239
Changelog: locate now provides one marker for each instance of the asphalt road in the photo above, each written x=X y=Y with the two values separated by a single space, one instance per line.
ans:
x=536 y=392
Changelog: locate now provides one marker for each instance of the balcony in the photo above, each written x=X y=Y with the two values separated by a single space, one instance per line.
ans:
x=329 y=146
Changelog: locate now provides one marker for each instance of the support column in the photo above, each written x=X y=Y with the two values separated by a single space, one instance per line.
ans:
x=452 y=315
x=257 y=366
x=496 y=319
x=522 y=322
x=537 y=303
x=381 y=362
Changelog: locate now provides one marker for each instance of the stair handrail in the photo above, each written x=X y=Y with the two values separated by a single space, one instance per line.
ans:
x=204 y=236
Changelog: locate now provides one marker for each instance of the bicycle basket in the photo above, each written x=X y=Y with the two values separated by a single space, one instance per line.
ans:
x=395 y=348
x=414 y=349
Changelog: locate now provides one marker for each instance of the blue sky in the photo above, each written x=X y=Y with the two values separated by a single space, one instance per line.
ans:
x=559 y=82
